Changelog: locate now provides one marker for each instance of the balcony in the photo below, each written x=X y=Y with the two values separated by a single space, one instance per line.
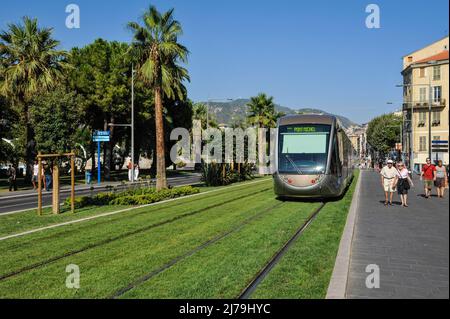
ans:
x=420 y=105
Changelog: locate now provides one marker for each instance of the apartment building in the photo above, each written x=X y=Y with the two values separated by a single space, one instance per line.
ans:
x=425 y=82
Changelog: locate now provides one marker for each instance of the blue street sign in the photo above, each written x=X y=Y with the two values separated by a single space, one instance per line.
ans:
x=100 y=136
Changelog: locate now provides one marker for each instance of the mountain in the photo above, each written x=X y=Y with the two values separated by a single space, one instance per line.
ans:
x=234 y=111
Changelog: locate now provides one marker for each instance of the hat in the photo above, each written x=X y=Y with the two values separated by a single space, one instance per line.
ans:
x=390 y=162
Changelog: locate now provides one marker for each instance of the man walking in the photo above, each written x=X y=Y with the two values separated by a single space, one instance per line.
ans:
x=428 y=175
x=12 y=176
x=34 y=179
x=388 y=174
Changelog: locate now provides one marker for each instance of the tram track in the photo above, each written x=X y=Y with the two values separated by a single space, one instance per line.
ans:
x=119 y=218
x=125 y=235
x=275 y=259
x=193 y=251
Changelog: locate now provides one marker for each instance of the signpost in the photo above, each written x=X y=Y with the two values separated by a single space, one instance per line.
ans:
x=439 y=147
x=100 y=136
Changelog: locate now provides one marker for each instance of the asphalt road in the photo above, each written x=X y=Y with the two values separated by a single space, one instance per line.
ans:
x=11 y=202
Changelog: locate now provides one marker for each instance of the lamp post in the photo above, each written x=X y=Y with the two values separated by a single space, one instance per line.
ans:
x=132 y=122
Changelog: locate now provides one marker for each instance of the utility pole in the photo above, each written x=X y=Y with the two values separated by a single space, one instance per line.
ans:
x=132 y=123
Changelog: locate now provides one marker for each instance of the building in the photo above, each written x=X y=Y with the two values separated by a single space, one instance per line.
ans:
x=358 y=137
x=425 y=78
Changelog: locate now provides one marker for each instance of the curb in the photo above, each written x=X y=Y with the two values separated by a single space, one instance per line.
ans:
x=338 y=283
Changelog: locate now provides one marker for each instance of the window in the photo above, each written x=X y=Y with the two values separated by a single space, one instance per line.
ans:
x=422 y=72
x=436 y=118
x=410 y=59
x=422 y=94
x=437 y=90
x=422 y=118
x=436 y=73
x=303 y=149
x=422 y=143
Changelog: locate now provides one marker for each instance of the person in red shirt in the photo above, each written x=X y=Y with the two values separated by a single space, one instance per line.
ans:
x=428 y=175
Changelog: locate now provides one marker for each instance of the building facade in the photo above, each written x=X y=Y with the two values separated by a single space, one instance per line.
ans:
x=425 y=101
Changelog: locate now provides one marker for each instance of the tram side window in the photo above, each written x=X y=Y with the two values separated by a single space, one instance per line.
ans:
x=335 y=162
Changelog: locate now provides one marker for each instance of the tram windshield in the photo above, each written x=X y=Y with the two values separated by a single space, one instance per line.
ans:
x=303 y=148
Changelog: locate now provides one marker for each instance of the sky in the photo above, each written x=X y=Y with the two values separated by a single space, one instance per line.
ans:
x=317 y=54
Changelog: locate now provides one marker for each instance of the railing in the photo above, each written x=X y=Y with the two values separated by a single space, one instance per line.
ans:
x=435 y=104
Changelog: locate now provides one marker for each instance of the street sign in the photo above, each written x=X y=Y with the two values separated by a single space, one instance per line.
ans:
x=101 y=136
x=439 y=146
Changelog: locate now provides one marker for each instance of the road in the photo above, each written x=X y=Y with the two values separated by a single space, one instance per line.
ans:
x=16 y=202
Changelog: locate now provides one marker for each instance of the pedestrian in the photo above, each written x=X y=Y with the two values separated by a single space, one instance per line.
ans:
x=35 y=177
x=130 y=171
x=12 y=178
x=136 y=172
x=428 y=175
x=388 y=174
x=48 y=176
x=403 y=183
x=441 y=180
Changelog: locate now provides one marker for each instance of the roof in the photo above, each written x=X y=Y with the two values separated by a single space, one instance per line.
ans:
x=437 y=57
x=426 y=46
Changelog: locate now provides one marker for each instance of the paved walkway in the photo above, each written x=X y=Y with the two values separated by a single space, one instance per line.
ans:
x=410 y=245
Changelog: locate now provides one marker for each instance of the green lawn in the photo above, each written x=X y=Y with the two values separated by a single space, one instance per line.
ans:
x=305 y=271
x=241 y=227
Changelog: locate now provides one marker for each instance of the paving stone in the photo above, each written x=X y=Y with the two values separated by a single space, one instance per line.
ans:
x=410 y=245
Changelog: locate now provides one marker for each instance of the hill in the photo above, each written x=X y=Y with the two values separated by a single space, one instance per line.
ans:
x=234 y=111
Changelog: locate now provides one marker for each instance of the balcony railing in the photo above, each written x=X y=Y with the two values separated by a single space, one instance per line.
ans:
x=434 y=104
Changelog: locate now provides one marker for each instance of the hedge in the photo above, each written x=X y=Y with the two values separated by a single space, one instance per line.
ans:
x=140 y=196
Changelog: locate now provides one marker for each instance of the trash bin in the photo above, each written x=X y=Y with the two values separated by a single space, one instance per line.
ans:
x=88 y=177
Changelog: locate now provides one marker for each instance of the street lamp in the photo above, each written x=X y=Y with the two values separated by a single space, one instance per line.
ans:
x=133 y=71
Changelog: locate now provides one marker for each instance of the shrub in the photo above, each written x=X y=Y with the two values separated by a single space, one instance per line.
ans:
x=140 y=196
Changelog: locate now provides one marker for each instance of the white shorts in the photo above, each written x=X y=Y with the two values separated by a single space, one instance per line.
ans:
x=389 y=185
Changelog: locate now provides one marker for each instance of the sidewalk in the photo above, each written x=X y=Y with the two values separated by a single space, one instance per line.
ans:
x=410 y=245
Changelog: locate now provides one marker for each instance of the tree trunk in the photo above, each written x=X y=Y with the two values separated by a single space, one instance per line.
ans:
x=92 y=150
x=161 y=181
x=107 y=151
x=261 y=152
x=30 y=152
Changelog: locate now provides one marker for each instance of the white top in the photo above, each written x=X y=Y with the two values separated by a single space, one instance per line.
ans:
x=35 y=169
x=403 y=174
x=389 y=173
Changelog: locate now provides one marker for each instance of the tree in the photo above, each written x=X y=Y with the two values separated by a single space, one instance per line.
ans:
x=156 y=48
x=102 y=75
x=55 y=117
x=383 y=132
x=31 y=64
x=262 y=114
x=8 y=152
x=200 y=113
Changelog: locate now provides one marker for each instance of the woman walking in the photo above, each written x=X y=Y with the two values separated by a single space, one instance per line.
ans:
x=403 y=183
x=441 y=179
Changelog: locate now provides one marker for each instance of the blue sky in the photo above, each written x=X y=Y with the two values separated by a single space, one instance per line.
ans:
x=304 y=53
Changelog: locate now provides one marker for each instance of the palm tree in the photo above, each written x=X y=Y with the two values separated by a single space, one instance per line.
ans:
x=30 y=65
x=262 y=114
x=156 y=48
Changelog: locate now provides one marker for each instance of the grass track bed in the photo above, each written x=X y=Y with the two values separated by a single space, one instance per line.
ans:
x=305 y=270
x=34 y=248
x=15 y=223
x=104 y=269
x=223 y=269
